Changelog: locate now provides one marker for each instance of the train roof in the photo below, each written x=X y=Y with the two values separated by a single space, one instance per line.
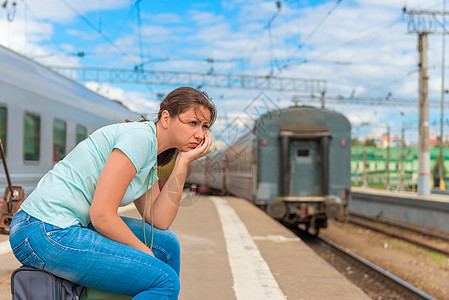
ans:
x=302 y=116
x=23 y=73
x=304 y=108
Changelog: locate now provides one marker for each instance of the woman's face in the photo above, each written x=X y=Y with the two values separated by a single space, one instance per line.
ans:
x=188 y=128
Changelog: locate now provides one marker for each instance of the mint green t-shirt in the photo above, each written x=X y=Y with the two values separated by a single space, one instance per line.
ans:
x=64 y=195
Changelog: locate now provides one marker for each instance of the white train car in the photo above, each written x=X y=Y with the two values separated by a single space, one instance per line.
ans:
x=43 y=116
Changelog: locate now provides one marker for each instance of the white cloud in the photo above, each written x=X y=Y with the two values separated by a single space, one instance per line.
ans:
x=363 y=46
x=163 y=18
x=156 y=33
x=65 y=11
x=138 y=102
x=205 y=18
x=82 y=34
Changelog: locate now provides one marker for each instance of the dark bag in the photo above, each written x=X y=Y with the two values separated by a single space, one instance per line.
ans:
x=91 y=294
x=33 y=284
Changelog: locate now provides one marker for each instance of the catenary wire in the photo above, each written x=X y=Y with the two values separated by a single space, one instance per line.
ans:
x=97 y=30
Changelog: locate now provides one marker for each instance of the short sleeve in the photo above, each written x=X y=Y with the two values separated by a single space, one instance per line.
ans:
x=139 y=145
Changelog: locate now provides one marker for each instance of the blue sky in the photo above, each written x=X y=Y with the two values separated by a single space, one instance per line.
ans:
x=360 y=47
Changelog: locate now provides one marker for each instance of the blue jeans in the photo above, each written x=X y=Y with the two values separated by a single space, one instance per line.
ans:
x=84 y=256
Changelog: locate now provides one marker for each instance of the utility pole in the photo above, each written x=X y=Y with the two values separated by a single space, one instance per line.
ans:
x=323 y=99
x=441 y=160
x=423 y=23
x=388 y=157
x=423 y=123
x=365 y=171
x=402 y=161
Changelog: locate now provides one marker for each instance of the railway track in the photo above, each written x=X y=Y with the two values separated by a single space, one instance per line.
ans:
x=426 y=239
x=374 y=281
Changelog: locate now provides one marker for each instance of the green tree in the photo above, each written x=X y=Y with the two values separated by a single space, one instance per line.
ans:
x=370 y=143
x=436 y=167
x=356 y=142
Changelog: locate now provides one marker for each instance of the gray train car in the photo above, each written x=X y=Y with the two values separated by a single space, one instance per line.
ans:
x=43 y=115
x=215 y=167
x=196 y=173
x=294 y=162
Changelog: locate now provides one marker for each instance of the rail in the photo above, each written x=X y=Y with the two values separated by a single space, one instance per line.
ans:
x=425 y=233
x=385 y=284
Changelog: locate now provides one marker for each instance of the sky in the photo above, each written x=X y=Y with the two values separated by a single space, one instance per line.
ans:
x=361 y=48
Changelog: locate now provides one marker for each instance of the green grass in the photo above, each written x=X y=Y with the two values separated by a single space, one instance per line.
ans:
x=430 y=256
x=431 y=285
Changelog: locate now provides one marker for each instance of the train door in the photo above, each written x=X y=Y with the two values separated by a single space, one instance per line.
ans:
x=304 y=168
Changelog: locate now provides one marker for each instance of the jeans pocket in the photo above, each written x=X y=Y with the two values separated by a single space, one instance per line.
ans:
x=51 y=230
x=25 y=254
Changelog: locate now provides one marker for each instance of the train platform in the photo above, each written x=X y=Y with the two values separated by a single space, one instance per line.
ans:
x=401 y=194
x=233 y=250
x=430 y=212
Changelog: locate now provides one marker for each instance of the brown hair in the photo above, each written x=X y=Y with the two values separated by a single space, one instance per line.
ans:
x=177 y=102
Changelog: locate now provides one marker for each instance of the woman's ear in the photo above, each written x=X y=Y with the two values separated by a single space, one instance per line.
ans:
x=165 y=117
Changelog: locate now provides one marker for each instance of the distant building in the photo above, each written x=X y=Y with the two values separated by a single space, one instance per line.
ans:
x=369 y=166
x=381 y=140
x=432 y=137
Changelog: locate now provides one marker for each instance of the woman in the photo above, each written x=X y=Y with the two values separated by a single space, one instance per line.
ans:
x=69 y=224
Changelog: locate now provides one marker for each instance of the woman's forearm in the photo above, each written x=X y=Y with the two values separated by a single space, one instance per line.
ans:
x=167 y=203
x=115 y=229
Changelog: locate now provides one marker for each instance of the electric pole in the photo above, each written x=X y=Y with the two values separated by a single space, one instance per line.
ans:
x=441 y=160
x=401 y=159
x=423 y=123
x=365 y=171
x=423 y=23
x=388 y=157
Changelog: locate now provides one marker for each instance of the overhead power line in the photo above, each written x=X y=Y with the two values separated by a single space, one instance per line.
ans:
x=307 y=89
x=96 y=29
x=374 y=101
x=10 y=8
x=425 y=21
x=315 y=29
x=112 y=75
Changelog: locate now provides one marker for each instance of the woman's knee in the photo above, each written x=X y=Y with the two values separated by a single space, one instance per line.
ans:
x=172 y=284
x=167 y=248
x=172 y=240
x=167 y=240
x=167 y=285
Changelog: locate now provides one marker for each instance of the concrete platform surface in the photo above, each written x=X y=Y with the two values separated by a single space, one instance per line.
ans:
x=233 y=250
x=444 y=198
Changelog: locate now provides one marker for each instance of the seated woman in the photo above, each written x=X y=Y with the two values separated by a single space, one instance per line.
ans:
x=69 y=224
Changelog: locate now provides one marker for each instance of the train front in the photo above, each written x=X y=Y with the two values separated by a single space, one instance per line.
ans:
x=303 y=156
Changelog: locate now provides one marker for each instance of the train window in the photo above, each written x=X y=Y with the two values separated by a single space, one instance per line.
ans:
x=59 y=135
x=81 y=133
x=3 y=127
x=31 y=137
x=302 y=152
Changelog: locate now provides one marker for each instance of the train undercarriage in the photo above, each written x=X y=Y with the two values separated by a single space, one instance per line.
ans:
x=312 y=213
